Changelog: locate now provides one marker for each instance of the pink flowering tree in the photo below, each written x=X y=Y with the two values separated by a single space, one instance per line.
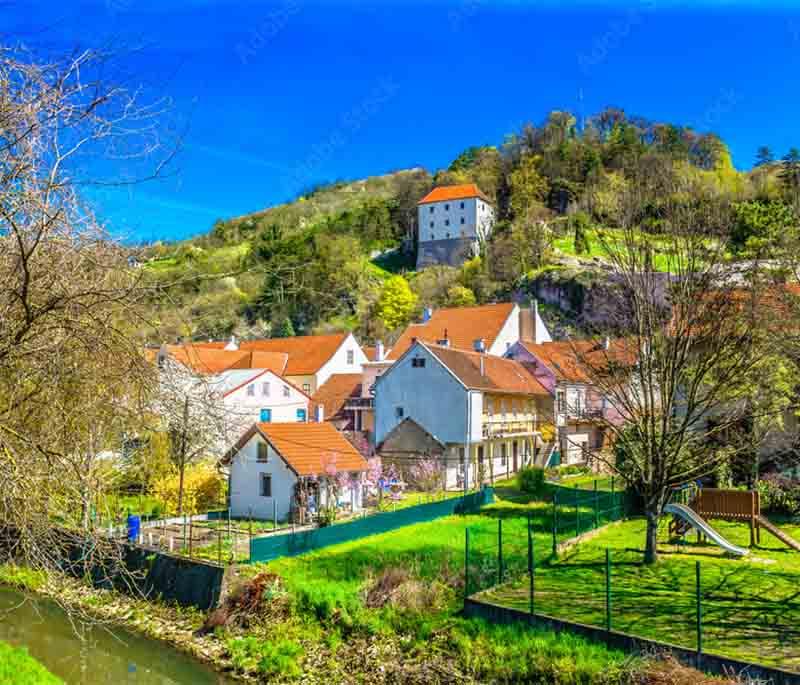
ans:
x=426 y=474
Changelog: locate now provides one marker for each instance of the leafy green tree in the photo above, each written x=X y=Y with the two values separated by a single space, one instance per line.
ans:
x=760 y=226
x=396 y=303
x=528 y=187
x=459 y=296
x=764 y=156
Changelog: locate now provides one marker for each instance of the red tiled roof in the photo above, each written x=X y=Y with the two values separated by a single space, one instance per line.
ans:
x=306 y=354
x=574 y=361
x=461 y=325
x=308 y=448
x=496 y=375
x=458 y=192
x=334 y=392
x=205 y=360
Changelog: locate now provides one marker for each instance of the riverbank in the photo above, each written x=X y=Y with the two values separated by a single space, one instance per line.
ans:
x=175 y=626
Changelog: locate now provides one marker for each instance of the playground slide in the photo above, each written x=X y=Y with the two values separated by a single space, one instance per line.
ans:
x=778 y=533
x=700 y=524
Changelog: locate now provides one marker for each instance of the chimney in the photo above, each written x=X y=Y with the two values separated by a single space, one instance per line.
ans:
x=379 y=351
x=319 y=413
x=427 y=313
x=479 y=345
x=444 y=342
x=232 y=345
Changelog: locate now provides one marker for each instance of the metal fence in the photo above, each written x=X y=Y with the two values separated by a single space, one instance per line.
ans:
x=292 y=544
x=736 y=611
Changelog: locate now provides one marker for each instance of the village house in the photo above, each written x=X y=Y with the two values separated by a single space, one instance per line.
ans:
x=581 y=412
x=452 y=223
x=309 y=360
x=461 y=408
x=292 y=470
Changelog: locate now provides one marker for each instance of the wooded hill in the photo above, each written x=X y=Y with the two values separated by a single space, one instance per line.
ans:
x=341 y=256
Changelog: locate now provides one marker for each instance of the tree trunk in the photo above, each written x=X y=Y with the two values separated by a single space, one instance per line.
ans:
x=651 y=538
x=181 y=472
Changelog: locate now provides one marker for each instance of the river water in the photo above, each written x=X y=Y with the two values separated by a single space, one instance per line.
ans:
x=85 y=654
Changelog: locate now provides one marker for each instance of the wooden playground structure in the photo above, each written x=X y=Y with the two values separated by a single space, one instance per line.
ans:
x=729 y=505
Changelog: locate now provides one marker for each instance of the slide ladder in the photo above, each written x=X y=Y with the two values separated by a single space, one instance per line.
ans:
x=697 y=522
x=778 y=533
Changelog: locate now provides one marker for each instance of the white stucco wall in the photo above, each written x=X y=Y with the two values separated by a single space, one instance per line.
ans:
x=508 y=336
x=431 y=395
x=432 y=218
x=245 y=483
x=245 y=410
x=338 y=362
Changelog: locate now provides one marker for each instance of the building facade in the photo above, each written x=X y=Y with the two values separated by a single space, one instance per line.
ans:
x=452 y=222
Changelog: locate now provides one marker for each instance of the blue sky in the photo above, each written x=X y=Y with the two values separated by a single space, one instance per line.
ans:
x=275 y=96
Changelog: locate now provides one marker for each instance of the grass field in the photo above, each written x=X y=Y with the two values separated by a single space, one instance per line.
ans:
x=751 y=608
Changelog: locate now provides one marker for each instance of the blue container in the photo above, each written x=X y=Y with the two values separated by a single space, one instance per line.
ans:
x=134 y=526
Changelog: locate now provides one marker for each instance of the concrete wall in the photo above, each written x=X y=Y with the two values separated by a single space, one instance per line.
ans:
x=245 y=483
x=430 y=395
x=450 y=252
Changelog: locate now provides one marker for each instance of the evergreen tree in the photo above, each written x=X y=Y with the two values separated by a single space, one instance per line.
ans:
x=790 y=173
x=764 y=156
x=285 y=329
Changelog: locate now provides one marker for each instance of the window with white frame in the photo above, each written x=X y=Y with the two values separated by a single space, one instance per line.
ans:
x=251 y=390
x=351 y=357
x=266 y=485
x=265 y=389
x=306 y=388
x=286 y=391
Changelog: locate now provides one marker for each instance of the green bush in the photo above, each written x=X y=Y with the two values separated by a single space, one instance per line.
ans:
x=531 y=479
x=17 y=666
x=780 y=495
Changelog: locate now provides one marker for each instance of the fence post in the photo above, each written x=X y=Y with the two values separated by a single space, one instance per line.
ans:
x=219 y=546
x=531 y=565
x=190 y=538
x=555 y=521
x=699 y=610
x=499 y=551
x=274 y=514
x=466 y=564
x=596 y=505
x=608 y=591
x=577 y=514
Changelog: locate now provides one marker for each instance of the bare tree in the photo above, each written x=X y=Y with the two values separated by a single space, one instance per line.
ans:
x=673 y=382
x=70 y=307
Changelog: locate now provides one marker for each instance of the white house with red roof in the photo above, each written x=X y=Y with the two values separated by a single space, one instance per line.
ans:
x=452 y=222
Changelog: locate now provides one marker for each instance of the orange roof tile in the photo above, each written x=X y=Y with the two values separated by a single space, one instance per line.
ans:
x=574 y=361
x=308 y=448
x=207 y=360
x=334 y=392
x=462 y=326
x=306 y=354
x=499 y=374
x=458 y=192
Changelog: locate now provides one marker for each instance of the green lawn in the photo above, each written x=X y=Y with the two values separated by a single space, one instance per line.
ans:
x=751 y=606
x=18 y=667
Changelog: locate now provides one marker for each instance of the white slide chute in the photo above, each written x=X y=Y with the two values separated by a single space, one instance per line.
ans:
x=699 y=523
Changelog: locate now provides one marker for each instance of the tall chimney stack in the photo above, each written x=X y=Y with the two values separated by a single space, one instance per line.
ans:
x=379 y=351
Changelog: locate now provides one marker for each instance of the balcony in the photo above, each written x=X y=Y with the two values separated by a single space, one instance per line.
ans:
x=584 y=414
x=498 y=427
x=359 y=403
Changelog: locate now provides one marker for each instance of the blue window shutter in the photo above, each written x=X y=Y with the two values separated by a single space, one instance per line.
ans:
x=266 y=415
x=301 y=415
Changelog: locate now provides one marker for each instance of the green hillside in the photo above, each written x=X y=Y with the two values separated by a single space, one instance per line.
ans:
x=341 y=256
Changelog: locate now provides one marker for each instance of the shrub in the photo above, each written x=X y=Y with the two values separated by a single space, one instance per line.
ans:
x=266 y=657
x=780 y=495
x=531 y=479
x=17 y=666
x=202 y=489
